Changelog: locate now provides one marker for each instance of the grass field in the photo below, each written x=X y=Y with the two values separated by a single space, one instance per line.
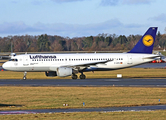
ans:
x=143 y=115
x=55 y=97
x=126 y=73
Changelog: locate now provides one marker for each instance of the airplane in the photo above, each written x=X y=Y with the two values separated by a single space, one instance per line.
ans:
x=63 y=65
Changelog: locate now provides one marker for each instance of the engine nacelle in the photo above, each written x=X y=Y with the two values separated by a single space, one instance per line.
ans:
x=64 y=71
x=51 y=74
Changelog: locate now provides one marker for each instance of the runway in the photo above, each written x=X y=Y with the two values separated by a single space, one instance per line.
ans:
x=123 y=82
x=111 y=109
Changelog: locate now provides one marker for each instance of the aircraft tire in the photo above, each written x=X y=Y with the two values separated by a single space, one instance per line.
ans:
x=82 y=76
x=74 y=76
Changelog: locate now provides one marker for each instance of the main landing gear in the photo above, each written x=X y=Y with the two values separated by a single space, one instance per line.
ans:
x=25 y=73
x=82 y=76
x=74 y=76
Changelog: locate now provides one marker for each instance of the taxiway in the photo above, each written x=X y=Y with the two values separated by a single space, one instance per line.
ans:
x=124 y=82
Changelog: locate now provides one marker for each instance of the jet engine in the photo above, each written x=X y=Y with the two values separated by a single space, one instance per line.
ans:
x=61 y=72
x=64 y=71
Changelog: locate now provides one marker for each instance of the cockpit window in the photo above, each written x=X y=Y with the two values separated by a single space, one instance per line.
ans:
x=13 y=60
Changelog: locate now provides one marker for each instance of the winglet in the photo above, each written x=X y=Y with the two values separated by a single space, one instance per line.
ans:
x=146 y=43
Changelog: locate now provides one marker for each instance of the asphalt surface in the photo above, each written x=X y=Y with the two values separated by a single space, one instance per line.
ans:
x=151 y=65
x=86 y=82
x=112 y=109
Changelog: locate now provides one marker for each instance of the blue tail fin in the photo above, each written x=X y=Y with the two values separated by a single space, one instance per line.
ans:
x=145 y=44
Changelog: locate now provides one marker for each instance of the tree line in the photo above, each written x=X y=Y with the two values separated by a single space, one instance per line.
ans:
x=49 y=43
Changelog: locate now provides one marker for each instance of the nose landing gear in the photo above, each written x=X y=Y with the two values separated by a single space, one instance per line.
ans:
x=25 y=73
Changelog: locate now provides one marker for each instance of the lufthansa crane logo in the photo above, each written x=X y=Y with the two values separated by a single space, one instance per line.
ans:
x=148 y=40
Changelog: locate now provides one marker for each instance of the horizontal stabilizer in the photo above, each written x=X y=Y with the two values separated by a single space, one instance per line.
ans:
x=152 y=57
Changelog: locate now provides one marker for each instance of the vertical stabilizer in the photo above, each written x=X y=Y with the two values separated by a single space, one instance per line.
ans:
x=146 y=43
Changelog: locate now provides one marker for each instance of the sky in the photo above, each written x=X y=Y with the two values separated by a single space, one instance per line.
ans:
x=78 y=18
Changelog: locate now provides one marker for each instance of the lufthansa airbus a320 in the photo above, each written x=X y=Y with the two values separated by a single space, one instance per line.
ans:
x=70 y=64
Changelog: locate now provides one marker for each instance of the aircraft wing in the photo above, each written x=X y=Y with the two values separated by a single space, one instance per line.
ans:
x=92 y=63
x=85 y=65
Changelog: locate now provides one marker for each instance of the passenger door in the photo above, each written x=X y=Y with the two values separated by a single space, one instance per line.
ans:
x=130 y=61
x=25 y=60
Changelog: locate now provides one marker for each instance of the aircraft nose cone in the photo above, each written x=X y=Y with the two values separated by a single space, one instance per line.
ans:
x=5 y=66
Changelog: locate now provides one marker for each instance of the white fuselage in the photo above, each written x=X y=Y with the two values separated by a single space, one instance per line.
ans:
x=50 y=62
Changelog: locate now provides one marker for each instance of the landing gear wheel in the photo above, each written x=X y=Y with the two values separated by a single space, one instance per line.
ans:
x=25 y=73
x=82 y=76
x=74 y=76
